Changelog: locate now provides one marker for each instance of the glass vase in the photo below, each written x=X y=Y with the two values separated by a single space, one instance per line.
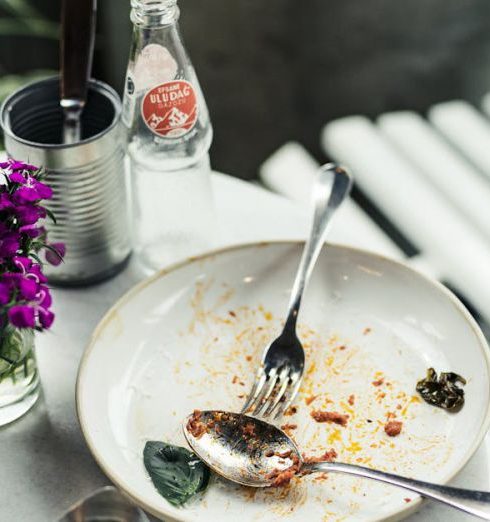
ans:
x=19 y=378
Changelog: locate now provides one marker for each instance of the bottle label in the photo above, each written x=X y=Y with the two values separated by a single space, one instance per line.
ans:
x=170 y=109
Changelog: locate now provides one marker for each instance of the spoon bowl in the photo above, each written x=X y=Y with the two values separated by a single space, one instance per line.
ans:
x=254 y=453
x=242 y=449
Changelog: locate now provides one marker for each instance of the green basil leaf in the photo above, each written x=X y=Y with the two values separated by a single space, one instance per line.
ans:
x=176 y=473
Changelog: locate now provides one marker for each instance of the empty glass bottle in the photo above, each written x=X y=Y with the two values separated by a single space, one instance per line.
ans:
x=169 y=135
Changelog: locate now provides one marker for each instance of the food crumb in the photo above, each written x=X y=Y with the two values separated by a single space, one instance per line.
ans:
x=351 y=399
x=330 y=416
x=232 y=313
x=366 y=331
x=248 y=358
x=393 y=428
x=328 y=456
x=342 y=347
x=378 y=382
x=249 y=429
x=235 y=379
x=310 y=399
x=287 y=428
x=291 y=411
x=196 y=427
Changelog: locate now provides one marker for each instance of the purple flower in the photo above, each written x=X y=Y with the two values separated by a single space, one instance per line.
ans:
x=32 y=231
x=28 y=288
x=46 y=317
x=9 y=244
x=17 y=177
x=29 y=214
x=5 y=202
x=54 y=258
x=25 y=299
x=22 y=316
x=5 y=291
x=22 y=263
x=31 y=190
x=17 y=165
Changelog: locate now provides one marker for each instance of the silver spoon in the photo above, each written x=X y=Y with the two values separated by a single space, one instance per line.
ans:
x=252 y=452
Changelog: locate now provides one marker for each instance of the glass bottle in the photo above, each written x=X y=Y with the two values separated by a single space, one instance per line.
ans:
x=169 y=135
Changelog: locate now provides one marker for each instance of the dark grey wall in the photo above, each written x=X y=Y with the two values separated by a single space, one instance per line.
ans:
x=279 y=69
x=274 y=70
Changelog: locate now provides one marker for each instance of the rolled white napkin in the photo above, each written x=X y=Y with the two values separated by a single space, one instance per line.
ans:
x=291 y=170
x=416 y=207
x=467 y=130
x=448 y=171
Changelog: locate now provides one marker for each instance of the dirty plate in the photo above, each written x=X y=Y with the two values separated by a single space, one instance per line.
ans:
x=191 y=336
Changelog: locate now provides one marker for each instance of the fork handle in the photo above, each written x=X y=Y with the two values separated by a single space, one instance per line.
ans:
x=332 y=186
x=476 y=503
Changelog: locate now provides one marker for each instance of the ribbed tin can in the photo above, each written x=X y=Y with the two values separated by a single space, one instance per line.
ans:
x=88 y=178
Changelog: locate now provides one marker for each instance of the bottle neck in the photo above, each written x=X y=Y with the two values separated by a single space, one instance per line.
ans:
x=154 y=13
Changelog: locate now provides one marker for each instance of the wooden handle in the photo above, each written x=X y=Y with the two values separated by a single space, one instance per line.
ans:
x=77 y=47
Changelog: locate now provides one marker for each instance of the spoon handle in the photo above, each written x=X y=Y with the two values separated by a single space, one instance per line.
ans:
x=475 y=503
x=332 y=186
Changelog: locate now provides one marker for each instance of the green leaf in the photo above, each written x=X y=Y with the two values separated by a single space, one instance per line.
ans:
x=176 y=473
x=50 y=215
x=28 y=27
x=14 y=346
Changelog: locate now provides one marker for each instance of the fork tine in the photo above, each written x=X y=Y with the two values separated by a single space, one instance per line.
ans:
x=257 y=387
x=267 y=391
x=296 y=383
x=283 y=380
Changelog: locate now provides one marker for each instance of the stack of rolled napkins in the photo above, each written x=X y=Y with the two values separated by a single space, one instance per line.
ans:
x=430 y=176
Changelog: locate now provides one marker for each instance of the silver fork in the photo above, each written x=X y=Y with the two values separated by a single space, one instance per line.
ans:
x=279 y=376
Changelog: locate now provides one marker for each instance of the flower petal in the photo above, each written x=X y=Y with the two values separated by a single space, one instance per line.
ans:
x=17 y=177
x=53 y=258
x=46 y=317
x=4 y=293
x=22 y=316
x=28 y=288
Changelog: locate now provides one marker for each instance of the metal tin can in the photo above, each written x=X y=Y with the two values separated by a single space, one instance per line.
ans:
x=88 y=178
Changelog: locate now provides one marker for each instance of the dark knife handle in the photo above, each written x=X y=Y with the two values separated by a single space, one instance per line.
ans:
x=77 y=47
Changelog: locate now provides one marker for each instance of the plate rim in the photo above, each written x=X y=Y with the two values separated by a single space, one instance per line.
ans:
x=176 y=515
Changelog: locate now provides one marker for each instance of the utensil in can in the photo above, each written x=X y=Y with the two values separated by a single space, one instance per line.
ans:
x=88 y=178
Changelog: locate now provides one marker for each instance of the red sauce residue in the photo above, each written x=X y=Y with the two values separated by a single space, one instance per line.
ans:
x=195 y=426
x=407 y=500
x=379 y=382
x=393 y=428
x=283 y=478
x=288 y=427
x=328 y=456
x=330 y=416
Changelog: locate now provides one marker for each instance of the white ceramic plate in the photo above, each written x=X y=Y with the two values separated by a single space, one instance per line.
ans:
x=191 y=337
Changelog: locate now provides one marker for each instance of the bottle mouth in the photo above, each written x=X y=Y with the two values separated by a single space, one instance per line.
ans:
x=154 y=12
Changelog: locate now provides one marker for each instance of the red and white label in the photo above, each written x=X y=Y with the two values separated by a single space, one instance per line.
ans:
x=170 y=109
